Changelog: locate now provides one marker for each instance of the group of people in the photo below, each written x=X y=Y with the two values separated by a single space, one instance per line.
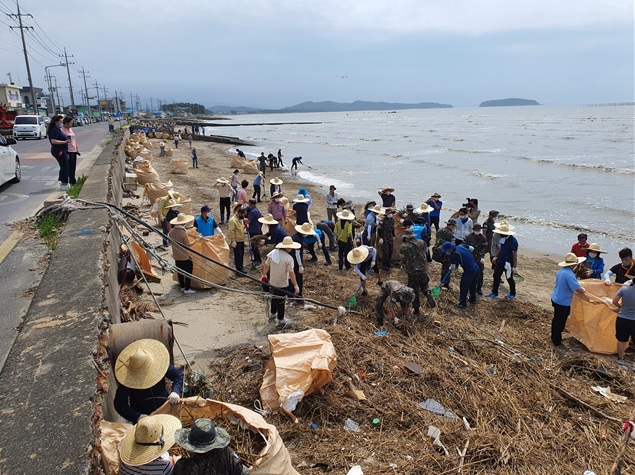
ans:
x=142 y=369
x=64 y=149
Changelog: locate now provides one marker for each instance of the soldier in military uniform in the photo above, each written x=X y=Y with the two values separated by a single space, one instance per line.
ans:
x=414 y=257
x=398 y=293
x=445 y=234
x=478 y=241
x=386 y=234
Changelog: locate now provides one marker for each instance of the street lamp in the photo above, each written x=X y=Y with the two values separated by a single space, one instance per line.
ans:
x=48 y=78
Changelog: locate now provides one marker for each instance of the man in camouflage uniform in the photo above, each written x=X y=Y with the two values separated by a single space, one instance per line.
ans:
x=414 y=257
x=386 y=235
x=478 y=241
x=397 y=292
x=488 y=231
x=444 y=235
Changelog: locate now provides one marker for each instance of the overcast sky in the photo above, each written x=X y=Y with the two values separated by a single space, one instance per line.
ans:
x=277 y=53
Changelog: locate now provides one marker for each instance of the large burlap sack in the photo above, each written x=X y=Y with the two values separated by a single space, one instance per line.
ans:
x=214 y=247
x=145 y=172
x=300 y=364
x=178 y=166
x=168 y=152
x=146 y=154
x=593 y=315
x=250 y=166
x=289 y=227
x=141 y=258
x=155 y=191
x=237 y=162
x=111 y=435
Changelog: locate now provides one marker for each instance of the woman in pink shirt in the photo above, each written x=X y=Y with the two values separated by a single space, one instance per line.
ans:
x=241 y=195
x=73 y=152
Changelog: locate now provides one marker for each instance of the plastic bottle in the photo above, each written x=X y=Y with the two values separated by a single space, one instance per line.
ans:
x=351 y=425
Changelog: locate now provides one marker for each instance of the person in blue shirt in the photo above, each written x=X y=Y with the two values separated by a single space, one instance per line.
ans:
x=594 y=262
x=436 y=204
x=318 y=238
x=566 y=285
x=276 y=232
x=205 y=224
x=506 y=260
x=257 y=186
x=461 y=255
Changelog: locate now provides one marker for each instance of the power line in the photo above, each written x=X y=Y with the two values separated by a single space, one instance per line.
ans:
x=26 y=55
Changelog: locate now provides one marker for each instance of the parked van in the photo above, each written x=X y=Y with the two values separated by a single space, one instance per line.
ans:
x=29 y=126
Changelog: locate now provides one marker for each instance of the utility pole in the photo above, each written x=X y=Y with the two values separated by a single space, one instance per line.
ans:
x=86 y=89
x=70 y=83
x=26 y=55
x=57 y=92
x=98 y=100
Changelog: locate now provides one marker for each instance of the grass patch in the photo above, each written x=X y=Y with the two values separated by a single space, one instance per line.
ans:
x=74 y=190
x=49 y=227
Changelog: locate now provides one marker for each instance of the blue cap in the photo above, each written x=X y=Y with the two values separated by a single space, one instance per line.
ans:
x=448 y=247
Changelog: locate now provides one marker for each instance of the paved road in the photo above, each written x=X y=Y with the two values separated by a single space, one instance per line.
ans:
x=21 y=266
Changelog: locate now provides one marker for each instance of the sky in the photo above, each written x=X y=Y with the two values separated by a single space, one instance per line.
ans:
x=278 y=53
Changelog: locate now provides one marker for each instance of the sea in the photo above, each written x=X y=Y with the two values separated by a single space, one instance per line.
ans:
x=552 y=172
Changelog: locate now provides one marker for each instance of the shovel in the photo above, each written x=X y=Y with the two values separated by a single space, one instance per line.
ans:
x=437 y=290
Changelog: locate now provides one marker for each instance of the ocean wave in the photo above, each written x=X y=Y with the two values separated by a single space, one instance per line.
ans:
x=370 y=139
x=572 y=227
x=486 y=150
x=325 y=181
x=486 y=176
x=587 y=166
x=393 y=155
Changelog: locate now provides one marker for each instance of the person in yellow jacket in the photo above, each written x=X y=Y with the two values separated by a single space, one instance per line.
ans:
x=236 y=235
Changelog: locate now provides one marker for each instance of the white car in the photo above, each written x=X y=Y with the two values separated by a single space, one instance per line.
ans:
x=9 y=162
x=29 y=126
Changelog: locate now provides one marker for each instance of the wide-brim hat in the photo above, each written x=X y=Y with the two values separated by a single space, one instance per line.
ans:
x=424 y=208
x=377 y=209
x=223 y=180
x=173 y=204
x=345 y=215
x=174 y=194
x=182 y=219
x=267 y=219
x=142 y=364
x=595 y=247
x=277 y=194
x=288 y=243
x=300 y=199
x=202 y=437
x=502 y=223
x=505 y=229
x=148 y=439
x=436 y=195
x=305 y=229
x=357 y=255
x=387 y=188
x=570 y=260
x=276 y=181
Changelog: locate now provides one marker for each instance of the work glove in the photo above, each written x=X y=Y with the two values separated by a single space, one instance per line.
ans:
x=607 y=282
x=452 y=266
x=372 y=264
x=297 y=290
x=515 y=270
x=482 y=260
x=174 y=398
x=301 y=270
x=589 y=272
x=381 y=241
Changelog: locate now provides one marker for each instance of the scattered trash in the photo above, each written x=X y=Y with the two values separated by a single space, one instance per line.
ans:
x=588 y=472
x=414 y=368
x=382 y=333
x=606 y=392
x=354 y=393
x=490 y=371
x=351 y=426
x=392 y=465
x=435 y=433
x=466 y=424
x=355 y=470
x=452 y=348
x=313 y=425
x=435 y=408
x=361 y=373
x=376 y=422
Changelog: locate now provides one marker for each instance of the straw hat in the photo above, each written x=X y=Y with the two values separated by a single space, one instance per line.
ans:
x=142 y=364
x=277 y=194
x=285 y=200
x=424 y=208
x=357 y=255
x=346 y=215
x=305 y=229
x=267 y=219
x=174 y=194
x=595 y=247
x=504 y=222
x=377 y=209
x=202 y=437
x=388 y=188
x=276 y=181
x=505 y=229
x=288 y=243
x=222 y=180
x=173 y=204
x=301 y=199
x=148 y=439
x=570 y=260
x=182 y=219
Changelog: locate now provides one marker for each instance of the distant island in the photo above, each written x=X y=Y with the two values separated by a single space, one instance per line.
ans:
x=330 y=106
x=509 y=102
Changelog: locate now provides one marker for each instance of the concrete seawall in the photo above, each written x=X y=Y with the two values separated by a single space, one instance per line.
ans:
x=56 y=375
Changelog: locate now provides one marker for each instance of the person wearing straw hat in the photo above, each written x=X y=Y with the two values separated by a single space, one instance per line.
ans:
x=414 y=257
x=319 y=238
x=435 y=214
x=461 y=255
x=423 y=218
x=277 y=208
x=363 y=259
x=141 y=369
x=278 y=271
x=180 y=244
x=301 y=208
x=344 y=233
x=563 y=290
x=167 y=210
x=370 y=225
x=144 y=448
x=594 y=263
x=624 y=301
x=275 y=185
x=305 y=193
x=276 y=232
x=224 y=193
x=495 y=244
x=298 y=255
x=506 y=260
x=209 y=450
x=388 y=200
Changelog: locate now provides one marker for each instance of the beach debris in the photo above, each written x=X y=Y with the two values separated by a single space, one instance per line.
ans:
x=435 y=433
x=414 y=368
x=435 y=407
x=355 y=470
x=381 y=333
x=354 y=393
x=606 y=392
x=351 y=426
